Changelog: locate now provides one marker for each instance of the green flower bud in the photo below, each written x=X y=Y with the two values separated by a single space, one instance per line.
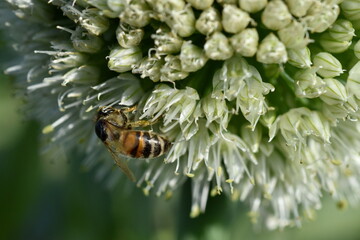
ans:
x=116 y=6
x=136 y=14
x=351 y=9
x=129 y=37
x=82 y=75
x=209 y=22
x=299 y=8
x=333 y=45
x=328 y=66
x=182 y=22
x=276 y=15
x=321 y=16
x=357 y=49
x=252 y=6
x=104 y=7
x=172 y=71
x=353 y=81
x=65 y=60
x=246 y=42
x=192 y=57
x=85 y=42
x=122 y=59
x=342 y=30
x=217 y=47
x=299 y=57
x=166 y=41
x=92 y=21
x=149 y=67
x=335 y=92
x=307 y=84
x=271 y=50
x=234 y=19
x=201 y=4
x=294 y=35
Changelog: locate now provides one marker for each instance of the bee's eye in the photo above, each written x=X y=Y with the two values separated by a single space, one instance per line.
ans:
x=100 y=130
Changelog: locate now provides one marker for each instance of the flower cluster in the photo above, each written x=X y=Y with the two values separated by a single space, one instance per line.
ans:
x=259 y=98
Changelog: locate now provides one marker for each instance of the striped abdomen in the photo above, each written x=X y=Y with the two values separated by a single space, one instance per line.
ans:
x=142 y=144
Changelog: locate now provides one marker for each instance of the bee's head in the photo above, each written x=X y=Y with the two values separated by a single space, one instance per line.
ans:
x=105 y=111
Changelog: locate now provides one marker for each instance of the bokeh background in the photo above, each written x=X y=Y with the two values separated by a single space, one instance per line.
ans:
x=42 y=198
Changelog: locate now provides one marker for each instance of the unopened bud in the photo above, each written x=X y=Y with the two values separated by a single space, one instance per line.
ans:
x=136 y=14
x=252 y=6
x=328 y=66
x=299 y=8
x=192 y=57
x=246 y=42
x=122 y=59
x=234 y=19
x=307 y=84
x=201 y=4
x=357 y=49
x=217 y=47
x=149 y=67
x=82 y=75
x=172 y=70
x=335 y=92
x=129 y=37
x=351 y=9
x=353 y=82
x=294 y=35
x=299 y=57
x=342 y=30
x=276 y=15
x=85 y=42
x=271 y=50
x=166 y=41
x=182 y=22
x=92 y=21
x=209 y=21
x=321 y=16
x=333 y=45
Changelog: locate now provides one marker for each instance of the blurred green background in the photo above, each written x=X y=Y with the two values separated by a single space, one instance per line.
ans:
x=42 y=199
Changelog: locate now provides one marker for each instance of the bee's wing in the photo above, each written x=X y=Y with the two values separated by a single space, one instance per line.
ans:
x=121 y=162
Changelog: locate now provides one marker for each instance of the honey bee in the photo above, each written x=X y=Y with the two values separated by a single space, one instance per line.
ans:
x=115 y=129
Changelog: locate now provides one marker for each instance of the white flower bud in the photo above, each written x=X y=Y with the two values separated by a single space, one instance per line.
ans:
x=252 y=6
x=271 y=50
x=172 y=71
x=149 y=67
x=209 y=21
x=342 y=30
x=335 y=92
x=103 y=6
x=307 y=84
x=192 y=57
x=85 y=42
x=321 y=16
x=246 y=42
x=136 y=14
x=333 y=45
x=276 y=15
x=128 y=37
x=217 y=47
x=353 y=81
x=201 y=4
x=328 y=66
x=357 y=49
x=294 y=35
x=222 y=2
x=65 y=60
x=299 y=57
x=122 y=59
x=116 y=6
x=82 y=75
x=351 y=9
x=234 y=19
x=166 y=42
x=299 y=8
x=182 y=22
x=92 y=21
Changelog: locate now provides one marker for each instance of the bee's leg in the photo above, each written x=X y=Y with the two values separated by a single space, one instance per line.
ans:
x=142 y=123
x=129 y=109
